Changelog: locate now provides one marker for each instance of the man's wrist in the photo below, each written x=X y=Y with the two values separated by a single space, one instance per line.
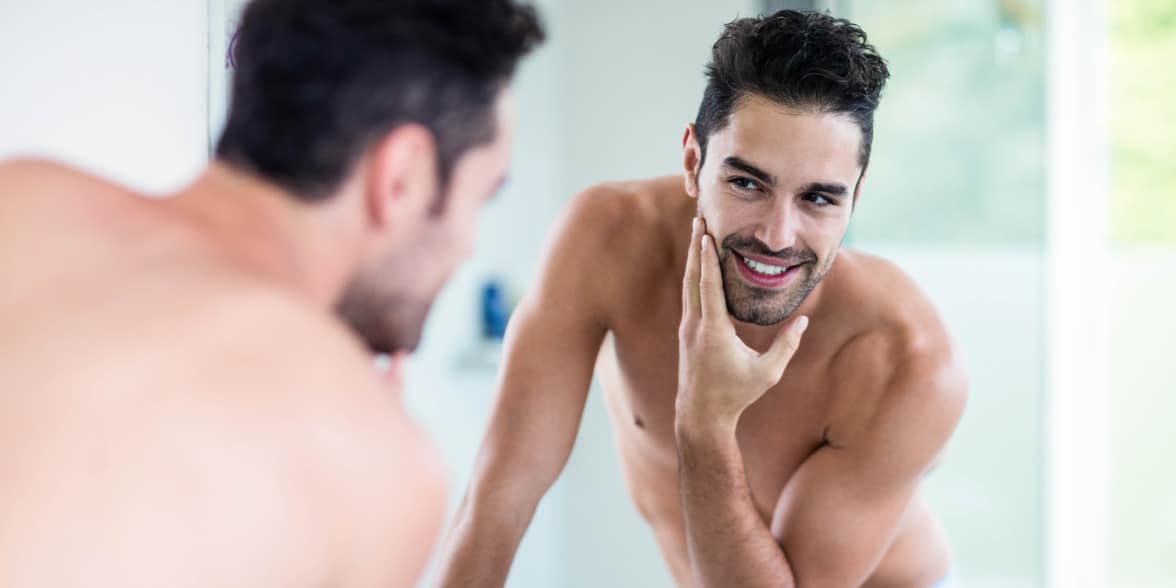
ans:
x=696 y=423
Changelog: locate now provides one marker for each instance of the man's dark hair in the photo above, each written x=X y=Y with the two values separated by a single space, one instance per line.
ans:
x=809 y=61
x=318 y=82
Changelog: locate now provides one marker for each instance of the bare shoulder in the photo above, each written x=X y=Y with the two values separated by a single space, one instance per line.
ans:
x=889 y=304
x=375 y=469
x=27 y=169
x=27 y=177
x=624 y=214
x=901 y=365
x=36 y=194
x=266 y=363
x=300 y=394
x=247 y=426
x=625 y=234
x=360 y=454
x=274 y=347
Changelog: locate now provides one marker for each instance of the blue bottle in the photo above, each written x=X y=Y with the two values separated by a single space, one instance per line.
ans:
x=494 y=312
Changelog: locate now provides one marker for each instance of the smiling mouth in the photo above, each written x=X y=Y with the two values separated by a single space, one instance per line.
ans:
x=764 y=269
x=765 y=275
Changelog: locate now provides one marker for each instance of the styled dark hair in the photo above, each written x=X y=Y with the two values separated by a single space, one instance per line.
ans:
x=810 y=61
x=318 y=82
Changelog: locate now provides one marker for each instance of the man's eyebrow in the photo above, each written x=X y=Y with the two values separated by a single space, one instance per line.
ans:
x=750 y=169
x=838 y=190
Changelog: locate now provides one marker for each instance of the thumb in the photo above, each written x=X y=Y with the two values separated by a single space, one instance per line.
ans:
x=787 y=342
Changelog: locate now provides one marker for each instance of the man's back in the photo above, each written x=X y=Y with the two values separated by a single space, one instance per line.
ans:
x=167 y=418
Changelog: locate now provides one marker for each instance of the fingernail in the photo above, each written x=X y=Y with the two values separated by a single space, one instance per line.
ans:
x=801 y=325
x=705 y=241
x=694 y=224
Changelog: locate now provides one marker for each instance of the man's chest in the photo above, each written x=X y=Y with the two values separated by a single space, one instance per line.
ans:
x=639 y=370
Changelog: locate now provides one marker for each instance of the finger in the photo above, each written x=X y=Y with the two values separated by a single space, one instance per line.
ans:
x=690 y=303
x=710 y=284
x=787 y=342
x=390 y=367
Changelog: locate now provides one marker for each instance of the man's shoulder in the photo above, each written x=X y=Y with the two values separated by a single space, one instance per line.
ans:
x=900 y=356
x=613 y=210
x=286 y=367
x=897 y=384
x=222 y=335
x=891 y=308
x=617 y=240
x=264 y=354
x=276 y=327
x=634 y=227
x=39 y=197
x=26 y=178
x=267 y=367
x=315 y=394
x=27 y=169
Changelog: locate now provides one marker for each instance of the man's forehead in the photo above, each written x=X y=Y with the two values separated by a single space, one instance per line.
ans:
x=778 y=137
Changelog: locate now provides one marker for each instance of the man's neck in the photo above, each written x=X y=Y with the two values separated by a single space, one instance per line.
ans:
x=310 y=248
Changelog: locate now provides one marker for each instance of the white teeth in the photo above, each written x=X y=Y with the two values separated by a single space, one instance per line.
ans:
x=763 y=268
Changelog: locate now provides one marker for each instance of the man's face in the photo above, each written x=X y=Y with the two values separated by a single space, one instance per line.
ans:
x=389 y=301
x=777 y=189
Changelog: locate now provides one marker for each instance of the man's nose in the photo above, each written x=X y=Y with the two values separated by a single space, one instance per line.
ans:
x=778 y=230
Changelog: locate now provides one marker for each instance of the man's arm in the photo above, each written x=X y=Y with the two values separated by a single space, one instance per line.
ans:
x=718 y=378
x=729 y=544
x=839 y=511
x=551 y=347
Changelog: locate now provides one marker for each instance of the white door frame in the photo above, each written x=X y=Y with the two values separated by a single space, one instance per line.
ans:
x=1077 y=441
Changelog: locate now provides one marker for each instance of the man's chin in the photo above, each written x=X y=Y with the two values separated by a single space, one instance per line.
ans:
x=764 y=309
x=399 y=343
x=386 y=339
x=760 y=318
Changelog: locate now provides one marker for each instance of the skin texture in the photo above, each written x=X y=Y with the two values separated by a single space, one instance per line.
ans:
x=180 y=404
x=759 y=457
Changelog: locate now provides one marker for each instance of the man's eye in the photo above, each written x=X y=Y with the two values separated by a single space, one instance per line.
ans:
x=744 y=183
x=820 y=200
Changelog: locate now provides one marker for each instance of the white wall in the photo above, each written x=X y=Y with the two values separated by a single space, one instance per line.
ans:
x=114 y=87
x=638 y=82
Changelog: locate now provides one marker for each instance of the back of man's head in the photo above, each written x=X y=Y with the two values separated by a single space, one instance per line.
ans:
x=318 y=82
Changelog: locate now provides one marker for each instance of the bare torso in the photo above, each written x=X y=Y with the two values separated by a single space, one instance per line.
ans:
x=166 y=418
x=810 y=407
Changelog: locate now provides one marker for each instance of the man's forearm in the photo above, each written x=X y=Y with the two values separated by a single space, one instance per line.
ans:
x=730 y=546
x=481 y=546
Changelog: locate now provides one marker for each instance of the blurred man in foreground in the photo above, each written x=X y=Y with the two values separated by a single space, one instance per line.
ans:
x=187 y=391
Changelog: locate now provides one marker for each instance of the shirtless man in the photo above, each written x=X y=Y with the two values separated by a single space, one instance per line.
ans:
x=180 y=403
x=750 y=474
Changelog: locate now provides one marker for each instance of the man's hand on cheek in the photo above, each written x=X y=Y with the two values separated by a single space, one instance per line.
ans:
x=718 y=375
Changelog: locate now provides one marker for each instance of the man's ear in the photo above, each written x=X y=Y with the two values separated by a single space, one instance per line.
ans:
x=691 y=156
x=402 y=177
x=857 y=190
